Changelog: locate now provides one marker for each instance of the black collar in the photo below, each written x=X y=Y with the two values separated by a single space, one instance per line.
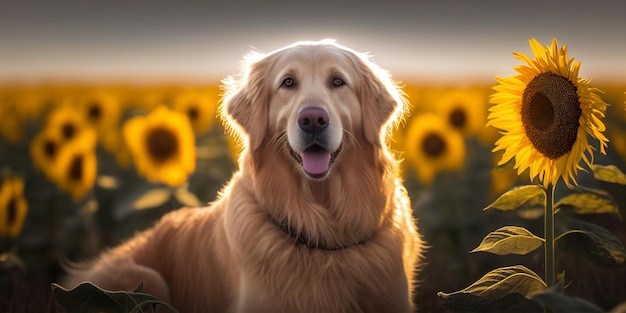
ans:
x=300 y=238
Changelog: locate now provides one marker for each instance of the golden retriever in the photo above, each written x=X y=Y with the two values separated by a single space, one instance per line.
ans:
x=316 y=218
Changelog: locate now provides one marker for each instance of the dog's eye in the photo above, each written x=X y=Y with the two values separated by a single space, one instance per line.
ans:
x=338 y=82
x=288 y=82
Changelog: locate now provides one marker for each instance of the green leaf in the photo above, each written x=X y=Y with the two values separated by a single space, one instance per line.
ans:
x=499 y=285
x=589 y=203
x=10 y=259
x=532 y=209
x=557 y=302
x=608 y=173
x=510 y=240
x=594 y=243
x=88 y=298
x=186 y=198
x=516 y=197
x=108 y=182
x=152 y=198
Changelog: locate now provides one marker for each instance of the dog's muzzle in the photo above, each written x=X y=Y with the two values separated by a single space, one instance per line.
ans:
x=316 y=158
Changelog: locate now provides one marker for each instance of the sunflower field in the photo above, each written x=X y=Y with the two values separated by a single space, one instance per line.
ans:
x=85 y=166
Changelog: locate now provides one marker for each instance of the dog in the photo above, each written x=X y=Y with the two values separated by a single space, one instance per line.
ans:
x=316 y=217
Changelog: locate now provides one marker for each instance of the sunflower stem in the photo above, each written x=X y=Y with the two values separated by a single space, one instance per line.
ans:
x=549 y=236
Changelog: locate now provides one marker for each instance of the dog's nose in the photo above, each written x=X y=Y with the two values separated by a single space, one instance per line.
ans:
x=313 y=119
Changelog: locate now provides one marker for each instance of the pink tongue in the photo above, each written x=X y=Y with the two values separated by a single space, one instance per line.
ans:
x=315 y=162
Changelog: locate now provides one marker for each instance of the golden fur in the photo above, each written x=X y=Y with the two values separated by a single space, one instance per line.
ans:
x=280 y=238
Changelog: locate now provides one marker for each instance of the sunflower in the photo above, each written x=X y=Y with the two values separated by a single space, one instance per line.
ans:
x=19 y=105
x=13 y=207
x=546 y=113
x=113 y=141
x=101 y=109
x=11 y=125
x=162 y=145
x=76 y=165
x=502 y=178
x=44 y=150
x=433 y=146
x=68 y=122
x=199 y=105
x=464 y=110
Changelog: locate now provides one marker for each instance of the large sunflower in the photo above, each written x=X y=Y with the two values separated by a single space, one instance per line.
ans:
x=546 y=113
x=13 y=207
x=162 y=146
x=433 y=146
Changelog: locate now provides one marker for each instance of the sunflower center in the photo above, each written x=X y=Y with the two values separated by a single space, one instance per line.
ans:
x=50 y=149
x=541 y=112
x=76 y=168
x=193 y=113
x=162 y=144
x=68 y=130
x=550 y=114
x=433 y=145
x=11 y=211
x=458 y=118
x=95 y=111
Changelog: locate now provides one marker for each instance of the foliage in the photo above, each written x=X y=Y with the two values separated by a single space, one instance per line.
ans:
x=88 y=298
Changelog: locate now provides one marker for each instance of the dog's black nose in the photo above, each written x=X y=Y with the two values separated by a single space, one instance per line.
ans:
x=313 y=119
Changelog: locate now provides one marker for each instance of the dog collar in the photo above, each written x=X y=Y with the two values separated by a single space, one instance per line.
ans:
x=300 y=239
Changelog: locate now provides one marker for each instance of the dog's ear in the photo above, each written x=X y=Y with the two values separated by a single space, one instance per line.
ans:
x=383 y=104
x=244 y=107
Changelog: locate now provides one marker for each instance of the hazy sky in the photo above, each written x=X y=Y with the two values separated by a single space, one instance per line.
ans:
x=427 y=41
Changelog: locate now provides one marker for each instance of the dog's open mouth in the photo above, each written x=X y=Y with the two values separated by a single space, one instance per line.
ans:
x=315 y=160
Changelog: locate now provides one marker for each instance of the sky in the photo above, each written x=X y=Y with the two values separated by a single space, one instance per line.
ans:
x=434 y=41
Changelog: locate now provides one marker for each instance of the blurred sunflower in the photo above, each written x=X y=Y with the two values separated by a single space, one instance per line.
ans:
x=67 y=121
x=18 y=105
x=76 y=165
x=13 y=207
x=162 y=146
x=113 y=141
x=101 y=109
x=545 y=114
x=199 y=105
x=44 y=150
x=11 y=124
x=464 y=110
x=502 y=179
x=618 y=138
x=433 y=146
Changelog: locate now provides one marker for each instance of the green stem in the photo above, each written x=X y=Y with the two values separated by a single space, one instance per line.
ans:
x=549 y=236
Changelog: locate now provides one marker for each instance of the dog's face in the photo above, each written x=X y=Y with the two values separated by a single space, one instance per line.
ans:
x=309 y=102
x=314 y=102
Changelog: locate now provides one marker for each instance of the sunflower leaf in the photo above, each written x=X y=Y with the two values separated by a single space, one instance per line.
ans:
x=594 y=243
x=608 y=173
x=10 y=259
x=501 y=286
x=516 y=197
x=558 y=302
x=589 y=203
x=187 y=198
x=88 y=298
x=532 y=209
x=108 y=182
x=510 y=240
x=152 y=198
